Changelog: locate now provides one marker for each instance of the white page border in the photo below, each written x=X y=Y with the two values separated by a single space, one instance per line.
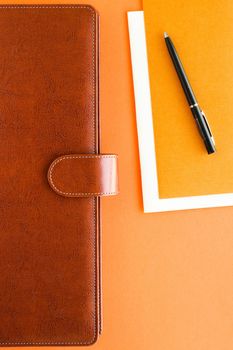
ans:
x=151 y=201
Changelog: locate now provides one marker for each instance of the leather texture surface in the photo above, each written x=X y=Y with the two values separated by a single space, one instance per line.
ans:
x=84 y=175
x=49 y=262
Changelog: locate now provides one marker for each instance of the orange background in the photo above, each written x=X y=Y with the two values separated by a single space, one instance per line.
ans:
x=167 y=277
x=203 y=36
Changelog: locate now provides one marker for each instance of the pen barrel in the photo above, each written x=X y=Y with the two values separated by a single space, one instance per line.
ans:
x=181 y=72
x=203 y=129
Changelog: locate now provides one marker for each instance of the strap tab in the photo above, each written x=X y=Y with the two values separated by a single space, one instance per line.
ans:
x=84 y=175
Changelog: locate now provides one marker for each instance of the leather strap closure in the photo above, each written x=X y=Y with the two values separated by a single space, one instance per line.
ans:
x=84 y=175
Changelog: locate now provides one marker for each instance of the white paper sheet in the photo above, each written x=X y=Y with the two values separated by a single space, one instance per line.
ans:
x=151 y=201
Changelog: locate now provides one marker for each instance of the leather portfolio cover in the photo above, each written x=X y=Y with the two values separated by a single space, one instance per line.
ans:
x=51 y=175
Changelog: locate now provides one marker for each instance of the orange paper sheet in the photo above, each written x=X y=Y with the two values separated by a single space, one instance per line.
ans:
x=202 y=32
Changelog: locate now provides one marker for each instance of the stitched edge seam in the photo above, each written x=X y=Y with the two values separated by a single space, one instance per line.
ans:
x=46 y=7
x=93 y=102
x=83 y=194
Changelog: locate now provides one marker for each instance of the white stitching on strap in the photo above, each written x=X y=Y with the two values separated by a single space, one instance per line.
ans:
x=51 y=170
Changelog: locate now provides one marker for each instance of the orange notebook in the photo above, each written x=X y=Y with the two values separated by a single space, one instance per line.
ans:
x=203 y=35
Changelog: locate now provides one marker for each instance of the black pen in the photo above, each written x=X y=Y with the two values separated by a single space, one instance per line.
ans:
x=198 y=114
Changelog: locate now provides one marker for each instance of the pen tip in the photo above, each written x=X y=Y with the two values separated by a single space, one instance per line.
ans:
x=165 y=35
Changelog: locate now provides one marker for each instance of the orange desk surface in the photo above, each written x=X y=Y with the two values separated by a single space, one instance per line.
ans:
x=167 y=277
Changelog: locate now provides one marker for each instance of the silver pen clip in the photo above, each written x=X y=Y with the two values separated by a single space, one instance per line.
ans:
x=208 y=127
